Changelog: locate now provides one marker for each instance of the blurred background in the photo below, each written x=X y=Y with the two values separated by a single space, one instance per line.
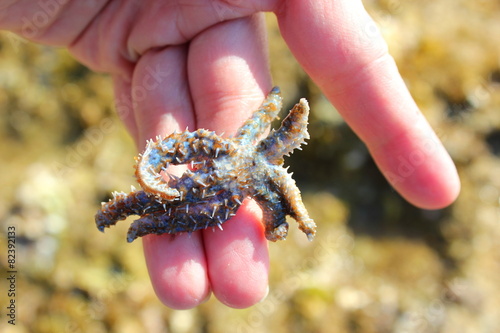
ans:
x=377 y=264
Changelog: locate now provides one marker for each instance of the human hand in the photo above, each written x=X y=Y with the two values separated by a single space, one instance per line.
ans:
x=204 y=65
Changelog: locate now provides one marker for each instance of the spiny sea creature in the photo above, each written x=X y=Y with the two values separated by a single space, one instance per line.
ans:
x=221 y=173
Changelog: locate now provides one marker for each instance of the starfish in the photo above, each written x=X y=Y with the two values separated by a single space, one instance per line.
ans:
x=221 y=173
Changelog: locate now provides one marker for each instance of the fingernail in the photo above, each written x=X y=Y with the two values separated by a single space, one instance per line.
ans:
x=265 y=294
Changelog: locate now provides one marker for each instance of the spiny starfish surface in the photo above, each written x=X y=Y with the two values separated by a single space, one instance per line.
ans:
x=222 y=173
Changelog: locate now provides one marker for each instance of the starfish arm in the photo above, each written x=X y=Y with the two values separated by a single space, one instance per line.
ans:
x=123 y=205
x=261 y=119
x=177 y=148
x=294 y=205
x=189 y=215
x=273 y=215
x=268 y=196
x=291 y=134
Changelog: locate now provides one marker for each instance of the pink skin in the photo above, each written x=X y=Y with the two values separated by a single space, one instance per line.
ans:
x=204 y=65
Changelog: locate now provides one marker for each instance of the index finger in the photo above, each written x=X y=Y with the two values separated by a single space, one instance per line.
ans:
x=338 y=45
